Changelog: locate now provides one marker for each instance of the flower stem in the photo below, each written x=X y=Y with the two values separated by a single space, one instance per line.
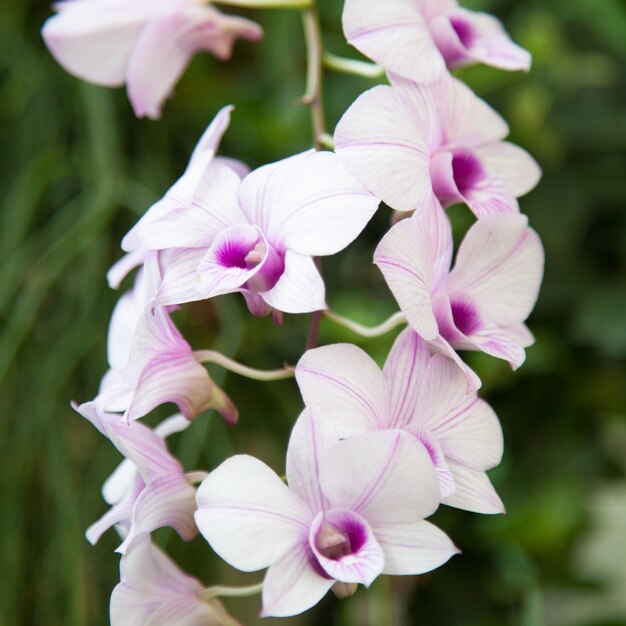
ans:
x=211 y=356
x=352 y=66
x=315 y=53
x=237 y=592
x=265 y=4
x=367 y=331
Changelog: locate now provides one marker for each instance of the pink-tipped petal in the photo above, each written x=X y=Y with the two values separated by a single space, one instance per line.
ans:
x=474 y=491
x=384 y=139
x=343 y=385
x=395 y=35
x=467 y=37
x=512 y=165
x=404 y=372
x=307 y=203
x=248 y=515
x=384 y=476
x=292 y=584
x=414 y=257
x=310 y=439
x=499 y=265
x=300 y=288
x=168 y=501
x=465 y=426
x=413 y=547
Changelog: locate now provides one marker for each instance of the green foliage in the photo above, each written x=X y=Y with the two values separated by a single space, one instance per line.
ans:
x=77 y=170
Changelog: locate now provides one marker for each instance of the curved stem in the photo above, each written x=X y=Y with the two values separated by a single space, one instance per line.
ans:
x=211 y=356
x=315 y=53
x=352 y=66
x=263 y=4
x=236 y=592
x=367 y=331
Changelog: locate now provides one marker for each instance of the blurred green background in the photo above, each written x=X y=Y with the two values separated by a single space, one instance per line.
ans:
x=77 y=169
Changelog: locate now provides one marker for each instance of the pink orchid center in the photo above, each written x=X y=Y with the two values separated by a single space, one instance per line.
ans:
x=455 y=174
x=457 y=316
x=335 y=543
x=464 y=30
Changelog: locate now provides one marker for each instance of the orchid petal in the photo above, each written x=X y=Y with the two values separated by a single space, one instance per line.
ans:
x=499 y=265
x=135 y=441
x=300 y=288
x=467 y=119
x=414 y=257
x=292 y=585
x=366 y=559
x=517 y=170
x=119 y=513
x=384 y=476
x=155 y=591
x=94 y=41
x=384 y=139
x=496 y=341
x=474 y=491
x=343 y=385
x=248 y=515
x=465 y=37
x=465 y=426
x=179 y=268
x=443 y=347
x=404 y=372
x=310 y=439
x=168 y=501
x=413 y=547
x=194 y=210
x=120 y=269
x=307 y=203
x=371 y=26
x=166 y=45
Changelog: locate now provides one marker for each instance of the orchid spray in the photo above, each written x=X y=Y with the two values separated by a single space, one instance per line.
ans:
x=374 y=452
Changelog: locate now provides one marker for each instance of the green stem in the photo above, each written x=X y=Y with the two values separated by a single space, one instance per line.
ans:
x=264 y=4
x=212 y=356
x=315 y=52
x=234 y=592
x=367 y=331
x=352 y=66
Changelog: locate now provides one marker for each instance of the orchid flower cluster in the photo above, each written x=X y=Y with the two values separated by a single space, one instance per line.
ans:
x=375 y=451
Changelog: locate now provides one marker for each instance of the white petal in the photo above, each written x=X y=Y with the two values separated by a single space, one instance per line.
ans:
x=465 y=426
x=384 y=140
x=310 y=439
x=385 y=476
x=474 y=491
x=307 y=203
x=343 y=385
x=94 y=40
x=182 y=220
x=179 y=268
x=467 y=120
x=395 y=35
x=248 y=515
x=414 y=257
x=168 y=501
x=413 y=547
x=517 y=170
x=292 y=585
x=404 y=372
x=500 y=265
x=300 y=289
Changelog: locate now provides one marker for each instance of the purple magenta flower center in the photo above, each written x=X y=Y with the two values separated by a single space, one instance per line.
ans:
x=335 y=542
x=467 y=170
x=233 y=254
x=463 y=30
x=465 y=316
